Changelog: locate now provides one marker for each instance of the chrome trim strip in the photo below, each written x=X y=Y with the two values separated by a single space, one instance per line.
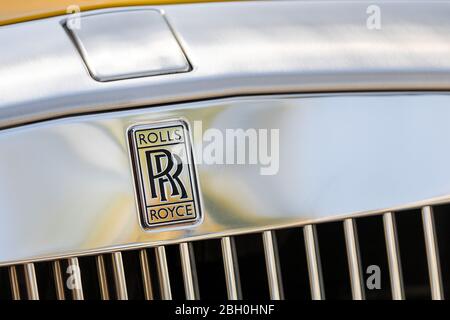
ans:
x=14 y=283
x=189 y=271
x=393 y=253
x=233 y=56
x=119 y=276
x=146 y=277
x=163 y=273
x=102 y=278
x=432 y=248
x=89 y=155
x=58 y=279
x=273 y=265
x=30 y=281
x=314 y=264
x=354 y=259
x=77 y=291
x=231 y=267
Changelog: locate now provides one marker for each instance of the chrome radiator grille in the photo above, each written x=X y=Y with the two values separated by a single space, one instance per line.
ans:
x=320 y=261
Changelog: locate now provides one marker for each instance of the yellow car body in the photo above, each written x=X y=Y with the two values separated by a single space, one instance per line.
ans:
x=26 y=10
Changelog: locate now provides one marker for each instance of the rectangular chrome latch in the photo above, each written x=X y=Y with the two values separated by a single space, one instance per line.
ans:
x=127 y=44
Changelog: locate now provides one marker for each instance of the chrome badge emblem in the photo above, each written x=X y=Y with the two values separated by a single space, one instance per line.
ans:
x=164 y=174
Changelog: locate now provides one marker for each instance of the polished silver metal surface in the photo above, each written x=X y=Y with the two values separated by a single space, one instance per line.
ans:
x=77 y=290
x=127 y=44
x=163 y=273
x=58 y=279
x=14 y=283
x=235 y=49
x=76 y=173
x=187 y=267
x=145 y=271
x=273 y=265
x=102 y=278
x=432 y=248
x=354 y=259
x=231 y=267
x=119 y=276
x=31 y=282
x=393 y=254
x=314 y=264
x=189 y=271
x=334 y=161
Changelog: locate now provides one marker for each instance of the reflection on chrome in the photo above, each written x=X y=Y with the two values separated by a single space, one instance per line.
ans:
x=67 y=186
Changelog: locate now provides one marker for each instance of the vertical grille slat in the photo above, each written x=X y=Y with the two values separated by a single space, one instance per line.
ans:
x=30 y=282
x=163 y=273
x=77 y=290
x=189 y=271
x=102 y=278
x=354 y=259
x=14 y=283
x=59 y=282
x=393 y=253
x=432 y=250
x=231 y=268
x=273 y=265
x=314 y=264
x=119 y=276
x=145 y=271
